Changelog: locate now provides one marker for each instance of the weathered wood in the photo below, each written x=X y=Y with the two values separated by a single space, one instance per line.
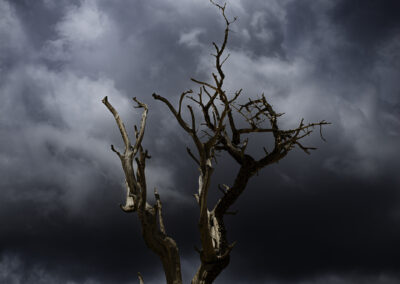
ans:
x=151 y=219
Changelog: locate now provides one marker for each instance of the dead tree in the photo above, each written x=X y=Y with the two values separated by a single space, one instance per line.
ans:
x=225 y=125
x=150 y=216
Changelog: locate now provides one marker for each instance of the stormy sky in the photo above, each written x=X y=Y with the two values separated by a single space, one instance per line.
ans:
x=331 y=217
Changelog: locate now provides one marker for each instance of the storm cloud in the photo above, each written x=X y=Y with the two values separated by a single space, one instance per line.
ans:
x=331 y=217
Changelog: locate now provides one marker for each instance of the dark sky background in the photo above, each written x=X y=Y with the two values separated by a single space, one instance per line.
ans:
x=332 y=217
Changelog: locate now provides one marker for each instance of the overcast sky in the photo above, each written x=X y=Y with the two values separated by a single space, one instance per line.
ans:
x=331 y=217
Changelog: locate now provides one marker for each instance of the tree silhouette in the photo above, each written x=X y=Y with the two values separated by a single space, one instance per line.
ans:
x=217 y=123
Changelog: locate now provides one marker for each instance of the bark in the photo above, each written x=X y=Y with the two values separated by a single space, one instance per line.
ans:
x=214 y=262
x=151 y=219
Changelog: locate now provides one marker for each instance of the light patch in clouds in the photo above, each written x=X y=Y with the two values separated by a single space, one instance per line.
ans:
x=83 y=24
x=258 y=22
x=78 y=99
x=12 y=34
x=73 y=154
x=82 y=29
x=68 y=146
x=61 y=155
x=283 y=82
x=191 y=38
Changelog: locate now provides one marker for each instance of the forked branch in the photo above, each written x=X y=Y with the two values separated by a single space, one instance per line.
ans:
x=150 y=216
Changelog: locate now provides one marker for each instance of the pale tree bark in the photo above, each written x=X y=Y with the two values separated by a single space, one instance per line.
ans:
x=219 y=119
x=150 y=216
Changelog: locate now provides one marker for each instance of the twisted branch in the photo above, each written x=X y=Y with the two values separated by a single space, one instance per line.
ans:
x=150 y=217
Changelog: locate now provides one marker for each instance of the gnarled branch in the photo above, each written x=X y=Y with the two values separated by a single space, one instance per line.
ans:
x=153 y=228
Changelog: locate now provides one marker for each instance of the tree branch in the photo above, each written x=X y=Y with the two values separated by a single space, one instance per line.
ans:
x=153 y=229
x=140 y=278
x=120 y=124
x=159 y=211
x=140 y=135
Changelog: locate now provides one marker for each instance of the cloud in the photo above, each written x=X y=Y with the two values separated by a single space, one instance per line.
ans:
x=83 y=24
x=80 y=33
x=191 y=38
x=64 y=129
x=13 y=38
x=58 y=121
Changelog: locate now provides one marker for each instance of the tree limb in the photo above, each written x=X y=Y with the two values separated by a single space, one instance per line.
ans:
x=153 y=229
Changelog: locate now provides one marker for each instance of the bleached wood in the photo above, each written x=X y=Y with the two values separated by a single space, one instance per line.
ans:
x=150 y=217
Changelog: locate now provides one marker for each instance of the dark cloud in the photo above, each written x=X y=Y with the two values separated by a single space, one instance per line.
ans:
x=305 y=233
x=331 y=217
x=367 y=23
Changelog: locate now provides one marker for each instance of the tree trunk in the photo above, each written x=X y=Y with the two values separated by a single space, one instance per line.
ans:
x=159 y=242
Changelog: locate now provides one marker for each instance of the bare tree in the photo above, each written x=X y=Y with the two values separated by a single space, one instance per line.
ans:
x=225 y=126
